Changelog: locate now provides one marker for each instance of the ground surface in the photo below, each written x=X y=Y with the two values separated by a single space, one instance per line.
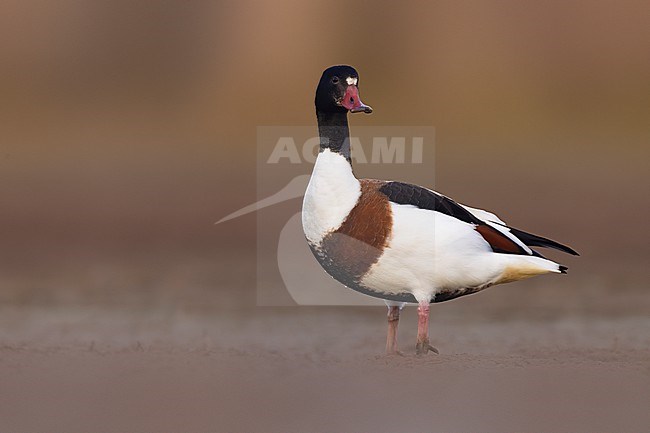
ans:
x=315 y=370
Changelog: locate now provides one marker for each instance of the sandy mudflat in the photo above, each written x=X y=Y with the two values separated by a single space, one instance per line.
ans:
x=318 y=370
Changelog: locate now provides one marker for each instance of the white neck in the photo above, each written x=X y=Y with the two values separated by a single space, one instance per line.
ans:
x=331 y=194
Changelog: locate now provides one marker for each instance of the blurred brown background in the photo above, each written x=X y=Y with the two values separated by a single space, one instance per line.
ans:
x=128 y=128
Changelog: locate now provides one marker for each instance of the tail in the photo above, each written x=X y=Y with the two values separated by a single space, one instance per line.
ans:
x=516 y=267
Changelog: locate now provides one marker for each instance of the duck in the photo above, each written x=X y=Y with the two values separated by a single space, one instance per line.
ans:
x=403 y=243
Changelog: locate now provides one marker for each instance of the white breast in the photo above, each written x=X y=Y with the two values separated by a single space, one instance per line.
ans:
x=331 y=194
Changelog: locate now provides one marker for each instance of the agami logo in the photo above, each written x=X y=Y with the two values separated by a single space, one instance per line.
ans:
x=287 y=273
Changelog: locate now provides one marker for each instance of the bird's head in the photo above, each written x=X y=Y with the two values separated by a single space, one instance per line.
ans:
x=338 y=91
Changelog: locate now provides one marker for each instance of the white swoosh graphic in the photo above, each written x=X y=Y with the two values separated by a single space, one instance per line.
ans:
x=294 y=189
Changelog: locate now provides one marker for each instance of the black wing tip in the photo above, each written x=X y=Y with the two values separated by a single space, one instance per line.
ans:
x=563 y=269
x=548 y=243
x=568 y=250
x=560 y=247
x=538 y=241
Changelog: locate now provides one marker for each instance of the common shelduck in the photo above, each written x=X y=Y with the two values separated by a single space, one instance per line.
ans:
x=400 y=242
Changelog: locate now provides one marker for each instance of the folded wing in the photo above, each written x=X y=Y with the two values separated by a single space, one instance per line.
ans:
x=502 y=238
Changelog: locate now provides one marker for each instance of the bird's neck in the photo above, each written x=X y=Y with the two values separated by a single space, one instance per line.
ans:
x=334 y=133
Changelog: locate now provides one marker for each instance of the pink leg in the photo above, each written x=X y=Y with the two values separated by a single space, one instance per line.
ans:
x=391 y=337
x=423 y=346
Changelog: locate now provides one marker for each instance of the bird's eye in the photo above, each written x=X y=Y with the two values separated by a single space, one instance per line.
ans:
x=335 y=80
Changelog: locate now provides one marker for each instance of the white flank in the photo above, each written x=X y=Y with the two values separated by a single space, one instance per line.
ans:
x=331 y=194
x=431 y=252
